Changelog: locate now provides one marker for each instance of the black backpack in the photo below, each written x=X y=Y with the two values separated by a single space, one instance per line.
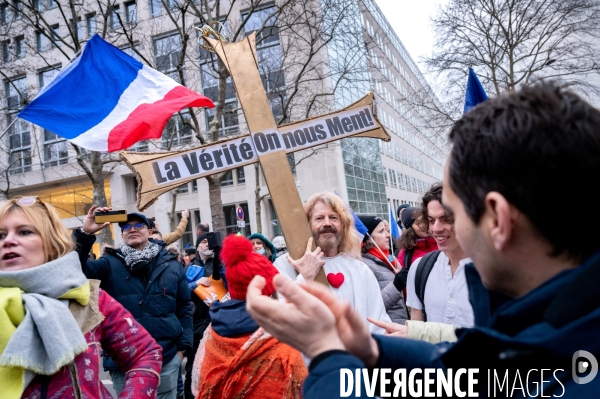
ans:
x=422 y=274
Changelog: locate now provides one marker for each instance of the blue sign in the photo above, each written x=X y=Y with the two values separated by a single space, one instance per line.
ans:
x=240 y=213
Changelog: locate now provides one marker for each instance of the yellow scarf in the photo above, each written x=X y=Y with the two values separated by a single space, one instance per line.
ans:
x=12 y=313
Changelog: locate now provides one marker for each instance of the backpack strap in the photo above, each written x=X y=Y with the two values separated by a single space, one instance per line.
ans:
x=423 y=270
x=408 y=255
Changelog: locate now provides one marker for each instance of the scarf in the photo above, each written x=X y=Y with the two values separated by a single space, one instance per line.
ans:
x=38 y=333
x=386 y=258
x=136 y=259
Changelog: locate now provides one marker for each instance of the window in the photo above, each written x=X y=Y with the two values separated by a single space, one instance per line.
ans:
x=229 y=120
x=55 y=42
x=155 y=7
x=6 y=51
x=90 y=20
x=275 y=226
x=231 y=219
x=183 y=189
x=46 y=76
x=17 y=9
x=401 y=181
x=16 y=93
x=270 y=33
x=133 y=52
x=177 y=131
x=195 y=189
x=167 y=51
x=114 y=18
x=392 y=178
x=292 y=162
x=227 y=179
x=4 y=16
x=241 y=176
x=20 y=47
x=77 y=26
x=131 y=10
x=55 y=150
x=187 y=239
x=19 y=147
x=41 y=41
x=385 y=176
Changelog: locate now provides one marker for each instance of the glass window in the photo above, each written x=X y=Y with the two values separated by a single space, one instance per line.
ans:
x=133 y=52
x=17 y=9
x=4 y=14
x=183 y=189
x=6 y=51
x=177 y=132
x=46 y=76
x=90 y=24
x=155 y=7
x=55 y=150
x=270 y=33
x=275 y=226
x=114 y=17
x=78 y=26
x=187 y=239
x=131 y=10
x=229 y=120
x=167 y=51
x=15 y=92
x=55 y=36
x=19 y=148
x=195 y=188
x=41 y=41
x=385 y=179
x=241 y=175
x=227 y=179
x=20 y=47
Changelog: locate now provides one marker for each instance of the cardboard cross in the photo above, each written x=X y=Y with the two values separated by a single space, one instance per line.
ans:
x=268 y=144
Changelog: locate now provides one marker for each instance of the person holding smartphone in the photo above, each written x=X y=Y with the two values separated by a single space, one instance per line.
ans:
x=149 y=282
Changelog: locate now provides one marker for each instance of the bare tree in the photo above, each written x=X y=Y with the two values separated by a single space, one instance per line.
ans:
x=511 y=43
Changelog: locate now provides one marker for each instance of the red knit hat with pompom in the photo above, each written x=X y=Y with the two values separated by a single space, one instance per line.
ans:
x=242 y=264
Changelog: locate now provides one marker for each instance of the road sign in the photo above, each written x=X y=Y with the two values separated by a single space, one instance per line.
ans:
x=241 y=224
x=240 y=213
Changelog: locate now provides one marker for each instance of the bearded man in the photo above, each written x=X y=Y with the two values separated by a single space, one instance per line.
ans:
x=338 y=252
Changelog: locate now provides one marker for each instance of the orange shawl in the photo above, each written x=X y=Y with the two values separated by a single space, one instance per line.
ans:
x=248 y=366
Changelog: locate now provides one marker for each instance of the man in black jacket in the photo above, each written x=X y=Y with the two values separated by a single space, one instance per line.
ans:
x=149 y=282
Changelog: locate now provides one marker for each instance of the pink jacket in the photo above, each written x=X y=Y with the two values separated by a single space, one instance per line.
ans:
x=126 y=341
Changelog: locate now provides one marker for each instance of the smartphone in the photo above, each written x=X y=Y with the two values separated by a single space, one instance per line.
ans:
x=214 y=240
x=111 y=216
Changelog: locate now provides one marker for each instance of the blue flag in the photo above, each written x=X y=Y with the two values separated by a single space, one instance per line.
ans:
x=475 y=92
x=393 y=225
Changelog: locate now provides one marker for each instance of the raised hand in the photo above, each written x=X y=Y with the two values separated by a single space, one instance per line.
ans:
x=310 y=263
x=185 y=214
x=89 y=224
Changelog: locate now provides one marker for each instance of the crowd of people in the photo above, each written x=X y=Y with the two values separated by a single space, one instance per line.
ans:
x=484 y=278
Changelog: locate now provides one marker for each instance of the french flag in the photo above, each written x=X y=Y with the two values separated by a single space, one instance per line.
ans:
x=105 y=100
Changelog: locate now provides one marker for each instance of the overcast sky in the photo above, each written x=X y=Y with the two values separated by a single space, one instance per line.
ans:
x=410 y=20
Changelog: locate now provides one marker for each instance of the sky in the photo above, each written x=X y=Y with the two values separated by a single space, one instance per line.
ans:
x=410 y=20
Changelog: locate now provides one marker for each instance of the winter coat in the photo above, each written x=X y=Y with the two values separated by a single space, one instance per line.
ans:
x=544 y=329
x=245 y=361
x=393 y=299
x=128 y=343
x=170 y=238
x=424 y=246
x=157 y=296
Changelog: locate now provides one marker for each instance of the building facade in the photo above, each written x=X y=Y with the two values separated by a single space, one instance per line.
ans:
x=362 y=54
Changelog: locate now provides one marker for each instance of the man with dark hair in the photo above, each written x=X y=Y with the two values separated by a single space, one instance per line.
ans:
x=533 y=287
x=436 y=286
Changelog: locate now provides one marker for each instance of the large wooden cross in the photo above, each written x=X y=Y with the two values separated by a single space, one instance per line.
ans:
x=267 y=143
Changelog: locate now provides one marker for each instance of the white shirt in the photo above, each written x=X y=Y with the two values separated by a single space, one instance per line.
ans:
x=446 y=296
x=360 y=287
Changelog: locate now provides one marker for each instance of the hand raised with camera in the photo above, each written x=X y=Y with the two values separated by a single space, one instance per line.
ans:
x=89 y=224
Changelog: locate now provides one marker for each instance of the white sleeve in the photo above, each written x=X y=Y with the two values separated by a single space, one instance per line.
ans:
x=287 y=269
x=375 y=307
x=411 y=295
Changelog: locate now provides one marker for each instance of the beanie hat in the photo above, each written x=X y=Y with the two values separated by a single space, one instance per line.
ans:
x=201 y=238
x=242 y=264
x=370 y=222
x=400 y=208
x=267 y=244
x=409 y=216
x=190 y=251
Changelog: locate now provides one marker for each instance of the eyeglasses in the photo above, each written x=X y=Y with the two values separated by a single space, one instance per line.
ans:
x=136 y=226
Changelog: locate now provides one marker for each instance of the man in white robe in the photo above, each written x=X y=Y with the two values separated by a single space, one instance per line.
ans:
x=338 y=252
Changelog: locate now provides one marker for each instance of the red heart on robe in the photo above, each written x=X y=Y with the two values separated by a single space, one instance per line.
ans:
x=335 y=279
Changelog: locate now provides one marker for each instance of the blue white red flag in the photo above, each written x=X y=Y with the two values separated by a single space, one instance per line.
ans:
x=393 y=225
x=475 y=93
x=106 y=100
